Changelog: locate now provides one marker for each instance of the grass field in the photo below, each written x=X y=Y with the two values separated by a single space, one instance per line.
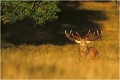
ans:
x=54 y=61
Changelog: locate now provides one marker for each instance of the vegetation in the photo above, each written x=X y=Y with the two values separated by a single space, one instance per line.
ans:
x=39 y=11
x=54 y=61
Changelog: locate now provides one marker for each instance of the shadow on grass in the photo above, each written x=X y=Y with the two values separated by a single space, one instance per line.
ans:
x=70 y=18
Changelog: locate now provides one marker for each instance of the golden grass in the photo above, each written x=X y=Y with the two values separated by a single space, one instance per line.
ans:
x=48 y=61
x=52 y=61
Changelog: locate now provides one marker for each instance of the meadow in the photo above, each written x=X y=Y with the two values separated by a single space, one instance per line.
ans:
x=62 y=61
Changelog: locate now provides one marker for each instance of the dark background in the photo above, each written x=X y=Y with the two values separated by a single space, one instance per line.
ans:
x=70 y=18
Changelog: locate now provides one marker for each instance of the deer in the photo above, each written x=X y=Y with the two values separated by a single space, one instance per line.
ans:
x=85 y=52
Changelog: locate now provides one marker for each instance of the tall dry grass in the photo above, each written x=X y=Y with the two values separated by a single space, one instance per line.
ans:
x=52 y=61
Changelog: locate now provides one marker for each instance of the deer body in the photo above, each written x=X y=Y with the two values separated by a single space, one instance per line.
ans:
x=90 y=53
x=85 y=52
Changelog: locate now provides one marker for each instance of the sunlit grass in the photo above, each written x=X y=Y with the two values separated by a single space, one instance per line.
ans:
x=53 y=61
x=48 y=61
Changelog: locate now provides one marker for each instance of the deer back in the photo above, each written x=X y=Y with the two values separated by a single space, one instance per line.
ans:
x=92 y=53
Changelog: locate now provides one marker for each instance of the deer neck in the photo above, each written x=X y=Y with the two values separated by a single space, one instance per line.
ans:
x=84 y=50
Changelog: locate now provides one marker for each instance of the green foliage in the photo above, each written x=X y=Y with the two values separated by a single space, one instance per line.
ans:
x=39 y=11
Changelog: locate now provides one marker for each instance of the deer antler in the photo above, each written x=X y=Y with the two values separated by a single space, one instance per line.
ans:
x=98 y=35
x=68 y=35
x=78 y=34
x=95 y=37
x=87 y=34
x=73 y=38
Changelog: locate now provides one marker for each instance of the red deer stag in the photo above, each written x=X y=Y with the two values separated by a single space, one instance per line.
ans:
x=85 y=51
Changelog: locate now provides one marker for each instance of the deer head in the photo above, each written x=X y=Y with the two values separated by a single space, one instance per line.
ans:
x=84 y=49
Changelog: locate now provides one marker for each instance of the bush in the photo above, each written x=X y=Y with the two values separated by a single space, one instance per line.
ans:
x=39 y=11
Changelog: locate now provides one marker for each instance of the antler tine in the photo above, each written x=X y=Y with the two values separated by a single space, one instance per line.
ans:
x=65 y=32
x=101 y=34
x=70 y=32
x=78 y=34
x=98 y=35
x=97 y=32
x=87 y=34
x=94 y=34
x=75 y=37
x=68 y=36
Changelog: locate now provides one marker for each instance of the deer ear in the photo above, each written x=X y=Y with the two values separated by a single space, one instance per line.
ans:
x=77 y=41
x=88 y=41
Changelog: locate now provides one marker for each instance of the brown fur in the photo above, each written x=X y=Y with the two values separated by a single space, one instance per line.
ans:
x=91 y=53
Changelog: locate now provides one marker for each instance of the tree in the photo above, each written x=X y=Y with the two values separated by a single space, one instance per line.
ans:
x=39 y=11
